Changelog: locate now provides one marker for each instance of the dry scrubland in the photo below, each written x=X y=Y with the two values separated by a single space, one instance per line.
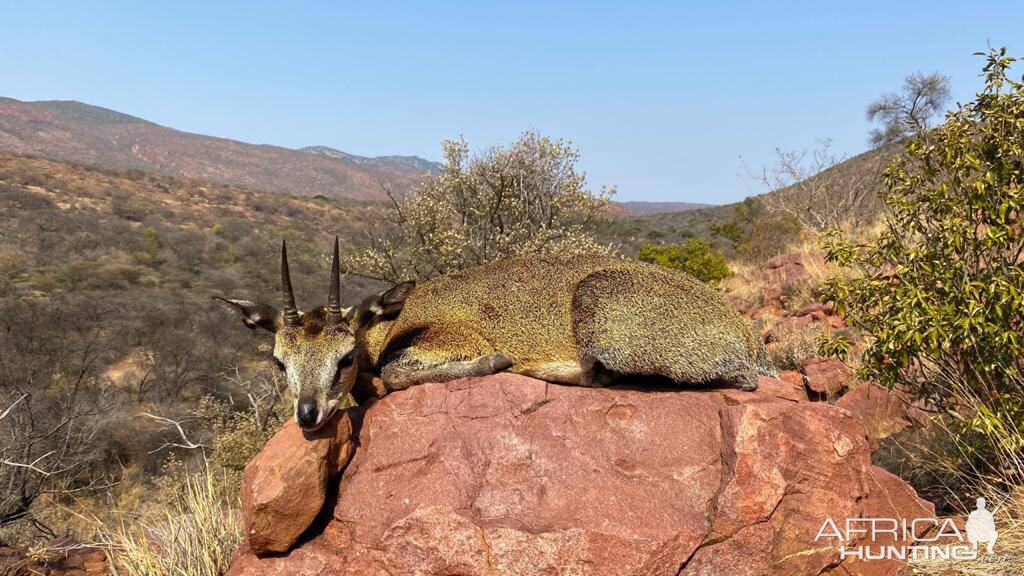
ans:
x=105 y=286
x=129 y=404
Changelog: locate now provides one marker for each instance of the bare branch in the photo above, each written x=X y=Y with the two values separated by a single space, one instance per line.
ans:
x=32 y=465
x=176 y=425
x=816 y=189
x=909 y=113
x=11 y=407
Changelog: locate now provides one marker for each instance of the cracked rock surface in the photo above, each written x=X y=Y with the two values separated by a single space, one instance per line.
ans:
x=510 y=475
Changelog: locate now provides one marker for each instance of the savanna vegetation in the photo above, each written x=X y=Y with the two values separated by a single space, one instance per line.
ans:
x=119 y=372
x=129 y=400
x=939 y=294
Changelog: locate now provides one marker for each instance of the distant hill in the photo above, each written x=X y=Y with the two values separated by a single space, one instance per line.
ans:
x=634 y=229
x=414 y=163
x=69 y=130
x=639 y=208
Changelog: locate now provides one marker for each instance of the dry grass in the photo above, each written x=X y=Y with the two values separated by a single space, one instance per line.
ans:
x=950 y=460
x=747 y=282
x=194 y=537
x=792 y=348
x=1007 y=558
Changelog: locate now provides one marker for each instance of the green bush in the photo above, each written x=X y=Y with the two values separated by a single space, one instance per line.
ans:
x=696 y=257
x=149 y=248
x=941 y=292
x=755 y=233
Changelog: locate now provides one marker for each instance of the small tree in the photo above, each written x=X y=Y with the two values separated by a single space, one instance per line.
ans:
x=696 y=257
x=756 y=233
x=941 y=292
x=817 y=190
x=909 y=113
x=527 y=198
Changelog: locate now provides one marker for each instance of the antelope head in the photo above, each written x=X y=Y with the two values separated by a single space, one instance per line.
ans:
x=317 y=348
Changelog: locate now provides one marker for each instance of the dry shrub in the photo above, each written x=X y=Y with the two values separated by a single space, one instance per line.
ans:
x=528 y=198
x=791 y=348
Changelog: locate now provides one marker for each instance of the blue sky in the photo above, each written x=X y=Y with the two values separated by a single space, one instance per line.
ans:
x=661 y=98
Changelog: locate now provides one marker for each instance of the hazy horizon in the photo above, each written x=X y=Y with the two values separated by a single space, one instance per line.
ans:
x=661 y=100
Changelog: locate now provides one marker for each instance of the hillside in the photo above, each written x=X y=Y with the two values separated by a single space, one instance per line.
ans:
x=123 y=253
x=413 y=163
x=69 y=130
x=106 y=281
x=145 y=232
x=642 y=208
x=828 y=187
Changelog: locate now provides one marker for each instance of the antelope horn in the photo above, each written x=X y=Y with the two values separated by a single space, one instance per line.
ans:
x=334 y=312
x=290 y=312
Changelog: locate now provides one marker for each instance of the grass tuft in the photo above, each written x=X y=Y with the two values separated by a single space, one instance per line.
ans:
x=959 y=457
x=194 y=537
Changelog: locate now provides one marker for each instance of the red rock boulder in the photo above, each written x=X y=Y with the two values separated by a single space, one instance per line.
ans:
x=881 y=412
x=773 y=303
x=827 y=376
x=789 y=268
x=514 y=476
x=13 y=562
x=286 y=484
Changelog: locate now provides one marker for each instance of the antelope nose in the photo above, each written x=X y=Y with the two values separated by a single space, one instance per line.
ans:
x=306 y=413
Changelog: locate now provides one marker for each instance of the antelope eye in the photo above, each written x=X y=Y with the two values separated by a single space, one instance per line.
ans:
x=343 y=363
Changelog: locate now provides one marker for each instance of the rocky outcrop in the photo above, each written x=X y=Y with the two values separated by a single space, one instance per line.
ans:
x=882 y=413
x=818 y=317
x=286 y=484
x=790 y=268
x=510 y=475
x=828 y=377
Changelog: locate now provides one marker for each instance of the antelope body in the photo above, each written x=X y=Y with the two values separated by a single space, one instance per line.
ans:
x=574 y=320
x=583 y=320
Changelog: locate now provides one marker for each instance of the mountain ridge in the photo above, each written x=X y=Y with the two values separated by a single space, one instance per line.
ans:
x=644 y=207
x=93 y=135
x=393 y=160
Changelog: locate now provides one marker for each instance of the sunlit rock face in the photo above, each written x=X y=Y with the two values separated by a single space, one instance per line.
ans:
x=510 y=475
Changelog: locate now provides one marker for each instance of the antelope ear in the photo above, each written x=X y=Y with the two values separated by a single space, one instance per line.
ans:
x=255 y=315
x=388 y=303
x=392 y=300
